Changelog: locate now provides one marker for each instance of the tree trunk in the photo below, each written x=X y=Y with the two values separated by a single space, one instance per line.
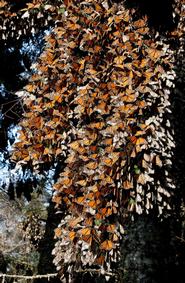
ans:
x=46 y=246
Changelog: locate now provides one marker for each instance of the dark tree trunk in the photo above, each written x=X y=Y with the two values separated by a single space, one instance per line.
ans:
x=150 y=252
x=46 y=246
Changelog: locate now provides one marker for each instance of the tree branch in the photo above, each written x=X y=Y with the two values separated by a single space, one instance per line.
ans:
x=102 y=272
x=28 y=277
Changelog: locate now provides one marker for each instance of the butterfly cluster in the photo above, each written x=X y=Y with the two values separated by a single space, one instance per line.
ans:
x=18 y=22
x=99 y=100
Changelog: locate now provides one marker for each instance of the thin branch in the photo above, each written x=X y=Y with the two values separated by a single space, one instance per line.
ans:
x=11 y=108
x=181 y=239
x=28 y=277
x=102 y=272
x=11 y=101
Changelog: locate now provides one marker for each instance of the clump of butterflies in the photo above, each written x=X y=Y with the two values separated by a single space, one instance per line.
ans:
x=99 y=101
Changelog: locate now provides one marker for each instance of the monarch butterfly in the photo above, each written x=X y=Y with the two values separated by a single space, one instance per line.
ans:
x=133 y=139
x=119 y=60
x=87 y=239
x=30 y=87
x=80 y=101
x=72 y=235
x=73 y=26
x=143 y=30
x=141 y=179
x=85 y=231
x=97 y=125
x=107 y=245
x=80 y=200
x=70 y=159
x=140 y=23
x=139 y=133
x=100 y=260
x=108 y=162
x=140 y=141
x=88 y=221
x=154 y=54
x=92 y=165
x=82 y=183
x=127 y=185
x=129 y=98
x=74 y=222
x=58 y=232
x=158 y=161
x=87 y=142
x=67 y=182
x=57 y=199
x=144 y=62
x=137 y=141
x=111 y=228
x=108 y=141
x=46 y=151
x=106 y=211
x=74 y=145
x=115 y=238
x=93 y=204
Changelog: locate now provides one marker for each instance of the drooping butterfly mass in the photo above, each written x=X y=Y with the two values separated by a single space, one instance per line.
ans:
x=99 y=100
